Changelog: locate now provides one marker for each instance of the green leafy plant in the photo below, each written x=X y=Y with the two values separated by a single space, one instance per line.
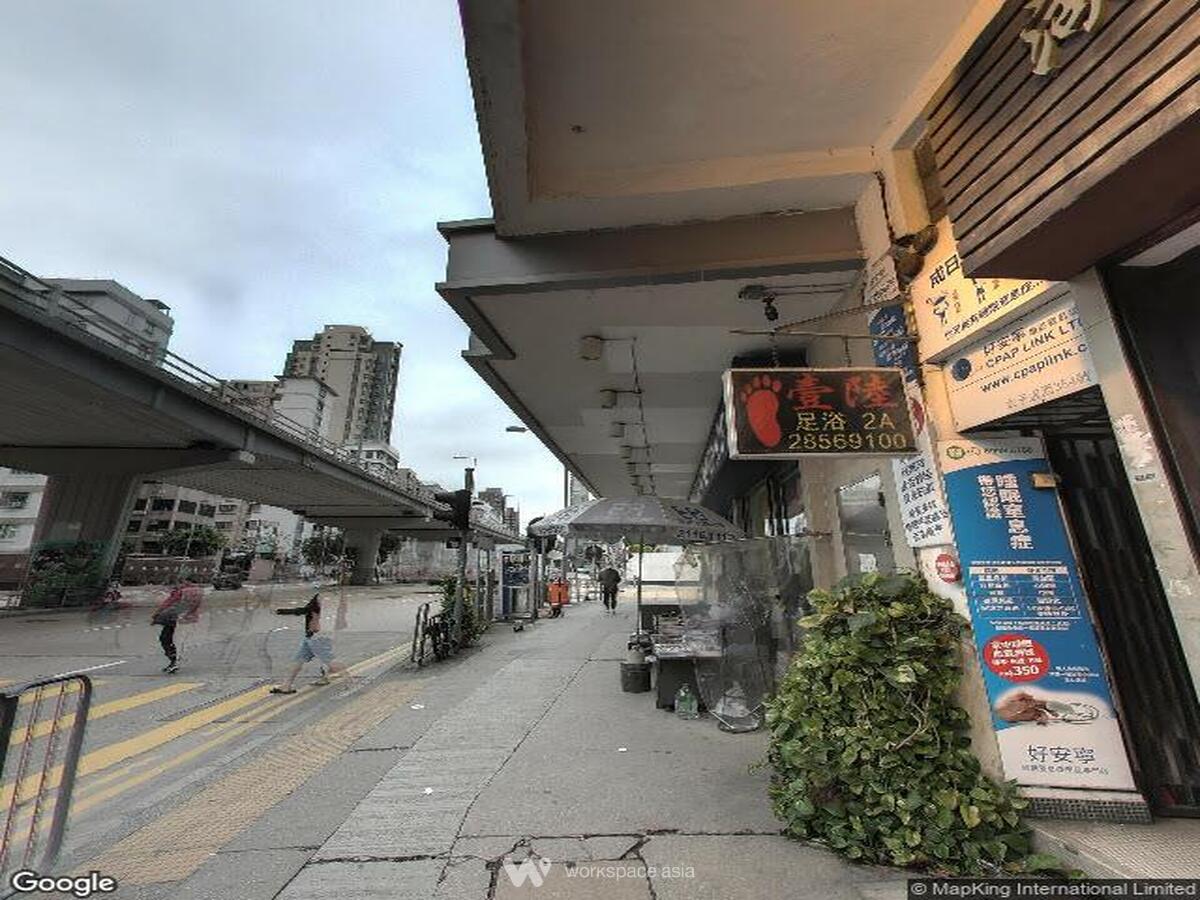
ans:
x=870 y=750
x=472 y=628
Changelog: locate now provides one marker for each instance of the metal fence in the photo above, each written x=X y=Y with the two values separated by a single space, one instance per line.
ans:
x=41 y=734
x=50 y=300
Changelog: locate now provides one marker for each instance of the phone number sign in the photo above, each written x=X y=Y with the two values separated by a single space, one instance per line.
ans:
x=787 y=413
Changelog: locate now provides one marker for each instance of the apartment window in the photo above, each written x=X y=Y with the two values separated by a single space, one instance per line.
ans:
x=14 y=499
x=162 y=504
x=139 y=504
x=133 y=525
x=187 y=506
x=8 y=532
x=224 y=526
x=207 y=510
x=227 y=508
x=157 y=525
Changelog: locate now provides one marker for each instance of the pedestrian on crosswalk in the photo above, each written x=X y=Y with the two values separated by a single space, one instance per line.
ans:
x=314 y=646
x=181 y=604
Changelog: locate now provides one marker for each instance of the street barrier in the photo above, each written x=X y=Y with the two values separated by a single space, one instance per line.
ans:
x=41 y=733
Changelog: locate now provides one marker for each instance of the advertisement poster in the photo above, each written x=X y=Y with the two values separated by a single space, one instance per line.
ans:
x=922 y=506
x=894 y=354
x=1052 y=707
x=1042 y=356
x=786 y=413
x=952 y=310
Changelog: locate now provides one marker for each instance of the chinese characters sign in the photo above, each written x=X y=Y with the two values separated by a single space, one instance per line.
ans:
x=1053 y=21
x=786 y=413
x=1051 y=703
x=1043 y=356
x=952 y=309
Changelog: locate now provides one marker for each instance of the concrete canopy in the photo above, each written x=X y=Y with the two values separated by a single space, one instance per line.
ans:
x=662 y=299
x=605 y=115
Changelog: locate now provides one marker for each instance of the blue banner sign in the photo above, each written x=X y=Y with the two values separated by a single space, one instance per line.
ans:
x=1051 y=704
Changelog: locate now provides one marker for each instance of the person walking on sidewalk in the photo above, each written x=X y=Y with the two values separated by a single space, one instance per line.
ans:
x=610 y=583
x=314 y=646
x=181 y=604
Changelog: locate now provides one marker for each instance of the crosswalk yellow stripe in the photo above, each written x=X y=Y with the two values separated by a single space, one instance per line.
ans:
x=71 y=687
x=114 y=754
x=41 y=729
x=172 y=847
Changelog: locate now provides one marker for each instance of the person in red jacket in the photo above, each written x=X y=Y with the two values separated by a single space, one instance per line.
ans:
x=182 y=604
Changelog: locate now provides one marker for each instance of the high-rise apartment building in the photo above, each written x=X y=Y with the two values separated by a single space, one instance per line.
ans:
x=361 y=373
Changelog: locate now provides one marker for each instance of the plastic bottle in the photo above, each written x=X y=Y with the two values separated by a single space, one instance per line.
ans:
x=687 y=705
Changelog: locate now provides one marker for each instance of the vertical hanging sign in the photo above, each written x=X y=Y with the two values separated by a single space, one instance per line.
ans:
x=1052 y=707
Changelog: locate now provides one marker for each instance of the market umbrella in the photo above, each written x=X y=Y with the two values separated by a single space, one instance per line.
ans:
x=647 y=518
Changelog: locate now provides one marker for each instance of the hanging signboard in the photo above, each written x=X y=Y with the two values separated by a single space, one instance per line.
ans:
x=788 y=413
x=1052 y=707
x=951 y=309
x=1042 y=356
x=922 y=505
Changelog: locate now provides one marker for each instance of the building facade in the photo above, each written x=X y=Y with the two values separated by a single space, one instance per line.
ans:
x=994 y=241
x=361 y=374
x=161 y=508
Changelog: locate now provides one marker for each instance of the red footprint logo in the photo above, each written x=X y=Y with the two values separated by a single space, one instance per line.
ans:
x=760 y=398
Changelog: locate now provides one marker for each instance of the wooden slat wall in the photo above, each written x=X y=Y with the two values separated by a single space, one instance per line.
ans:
x=1014 y=148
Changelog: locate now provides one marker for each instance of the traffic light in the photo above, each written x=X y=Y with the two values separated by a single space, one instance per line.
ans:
x=460 y=508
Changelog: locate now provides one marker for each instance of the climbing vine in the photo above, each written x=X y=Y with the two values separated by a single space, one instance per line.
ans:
x=870 y=750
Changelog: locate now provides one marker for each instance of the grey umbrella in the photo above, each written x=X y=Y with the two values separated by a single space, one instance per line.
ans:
x=647 y=518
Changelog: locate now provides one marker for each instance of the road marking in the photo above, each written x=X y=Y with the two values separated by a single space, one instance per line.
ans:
x=114 y=754
x=174 y=846
x=99 y=760
x=41 y=729
x=71 y=688
x=119 y=662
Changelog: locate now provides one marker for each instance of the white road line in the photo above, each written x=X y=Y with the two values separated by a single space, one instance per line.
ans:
x=119 y=662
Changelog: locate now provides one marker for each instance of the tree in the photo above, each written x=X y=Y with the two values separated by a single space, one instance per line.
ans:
x=194 y=542
x=388 y=544
x=322 y=549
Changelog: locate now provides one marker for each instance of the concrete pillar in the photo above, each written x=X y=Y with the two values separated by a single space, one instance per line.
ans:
x=88 y=508
x=366 y=542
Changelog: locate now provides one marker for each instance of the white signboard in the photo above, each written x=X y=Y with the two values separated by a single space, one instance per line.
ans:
x=1043 y=356
x=952 y=310
x=882 y=284
x=922 y=505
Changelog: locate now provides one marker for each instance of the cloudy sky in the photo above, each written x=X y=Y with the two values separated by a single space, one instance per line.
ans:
x=264 y=168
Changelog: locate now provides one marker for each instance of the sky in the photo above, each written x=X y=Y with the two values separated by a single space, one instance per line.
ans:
x=265 y=168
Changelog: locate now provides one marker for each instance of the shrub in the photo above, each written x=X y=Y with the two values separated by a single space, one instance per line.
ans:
x=870 y=750
x=472 y=628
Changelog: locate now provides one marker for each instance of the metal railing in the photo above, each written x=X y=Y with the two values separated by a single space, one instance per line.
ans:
x=41 y=735
x=50 y=300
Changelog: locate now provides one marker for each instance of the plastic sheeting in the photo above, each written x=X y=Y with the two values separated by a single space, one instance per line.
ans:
x=739 y=602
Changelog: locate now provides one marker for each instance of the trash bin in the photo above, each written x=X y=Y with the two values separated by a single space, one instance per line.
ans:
x=635 y=677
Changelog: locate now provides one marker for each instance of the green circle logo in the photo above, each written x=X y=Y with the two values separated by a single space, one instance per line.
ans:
x=955 y=452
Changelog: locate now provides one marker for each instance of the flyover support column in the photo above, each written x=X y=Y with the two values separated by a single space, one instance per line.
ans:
x=365 y=541
x=90 y=509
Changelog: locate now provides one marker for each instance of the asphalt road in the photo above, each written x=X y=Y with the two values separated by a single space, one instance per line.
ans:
x=151 y=735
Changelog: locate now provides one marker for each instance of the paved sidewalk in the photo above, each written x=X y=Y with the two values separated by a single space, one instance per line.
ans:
x=547 y=758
